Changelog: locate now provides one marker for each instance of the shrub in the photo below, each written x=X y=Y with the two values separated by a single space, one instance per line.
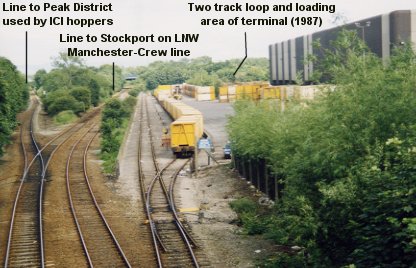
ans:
x=82 y=94
x=114 y=122
x=134 y=92
x=243 y=205
x=347 y=161
x=65 y=117
x=63 y=103
x=14 y=96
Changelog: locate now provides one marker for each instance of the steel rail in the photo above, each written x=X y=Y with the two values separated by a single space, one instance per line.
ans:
x=6 y=261
x=107 y=226
x=65 y=131
x=42 y=249
x=68 y=161
x=184 y=234
x=98 y=207
x=26 y=169
x=170 y=201
x=17 y=198
x=145 y=194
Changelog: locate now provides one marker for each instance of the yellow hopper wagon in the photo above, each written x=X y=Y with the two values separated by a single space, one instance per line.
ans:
x=187 y=128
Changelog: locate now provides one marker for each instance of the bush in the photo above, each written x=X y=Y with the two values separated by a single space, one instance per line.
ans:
x=295 y=223
x=375 y=222
x=115 y=110
x=254 y=223
x=134 y=93
x=347 y=161
x=243 y=205
x=63 y=103
x=249 y=216
x=14 y=96
x=65 y=117
x=129 y=104
x=82 y=94
x=114 y=122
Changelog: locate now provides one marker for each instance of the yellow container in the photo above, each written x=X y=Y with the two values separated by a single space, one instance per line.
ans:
x=239 y=90
x=223 y=91
x=270 y=93
x=185 y=132
x=183 y=135
x=164 y=87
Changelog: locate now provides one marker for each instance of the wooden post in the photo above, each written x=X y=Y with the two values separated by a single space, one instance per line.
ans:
x=233 y=165
x=266 y=179
x=258 y=175
x=244 y=167
x=250 y=171
x=194 y=162
x=276 y=189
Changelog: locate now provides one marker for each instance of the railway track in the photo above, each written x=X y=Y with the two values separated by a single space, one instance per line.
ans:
x=99 y=243
x=25 y=243
x=174 y=247
x=25 y=239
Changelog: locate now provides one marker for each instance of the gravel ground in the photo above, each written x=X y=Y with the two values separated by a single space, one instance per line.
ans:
x=209 y=193
x=215 y=119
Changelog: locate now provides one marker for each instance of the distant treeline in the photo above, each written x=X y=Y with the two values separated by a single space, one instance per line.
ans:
x=14 y=96
x=201 y=71
x=73 y=86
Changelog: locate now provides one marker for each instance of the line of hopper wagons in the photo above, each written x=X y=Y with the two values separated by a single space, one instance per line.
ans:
x=188 y=125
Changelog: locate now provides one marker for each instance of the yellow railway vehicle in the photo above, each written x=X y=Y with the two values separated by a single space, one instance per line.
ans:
x=185 y=133
x=187 y=128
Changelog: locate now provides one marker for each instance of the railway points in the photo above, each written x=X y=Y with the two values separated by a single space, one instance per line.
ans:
x=157 y=186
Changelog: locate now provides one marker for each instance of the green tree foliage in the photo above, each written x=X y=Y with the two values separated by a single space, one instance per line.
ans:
x=63 y=61
x=65 y=102
x=71 y=80
x=106 y=71
x=39 y=78
x=14 y=96
x=82 y=94
x=95 y=92
x=202 y=71
x=347 y=160
x=114 y=122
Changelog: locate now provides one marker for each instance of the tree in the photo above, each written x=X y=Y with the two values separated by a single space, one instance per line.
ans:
x=95 y=92
x=70 y=77
x=56 y=79
x=82 y=94
x=66 y=102
x=346 y=160
x=39 y=78
x=115 y=110
x=14 y=96
x=63 y=61
x=202 y=78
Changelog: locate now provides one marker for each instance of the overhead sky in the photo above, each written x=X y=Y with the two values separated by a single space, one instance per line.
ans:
x=168 y=17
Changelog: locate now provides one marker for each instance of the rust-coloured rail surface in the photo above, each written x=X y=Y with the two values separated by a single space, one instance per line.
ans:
x=98 y=240
x=173 y=245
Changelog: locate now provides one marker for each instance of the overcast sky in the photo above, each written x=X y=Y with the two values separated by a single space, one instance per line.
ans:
x=167 y=17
